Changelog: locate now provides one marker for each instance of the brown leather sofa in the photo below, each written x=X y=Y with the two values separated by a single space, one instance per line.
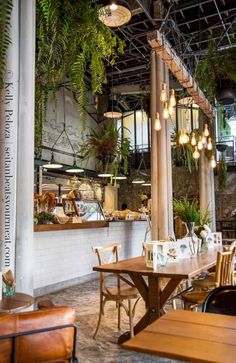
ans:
x=47 y=335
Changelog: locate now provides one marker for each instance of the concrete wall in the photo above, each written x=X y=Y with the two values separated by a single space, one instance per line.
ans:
x=64 y=258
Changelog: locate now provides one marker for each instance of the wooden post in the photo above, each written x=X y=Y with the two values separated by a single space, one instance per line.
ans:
x=154 y=171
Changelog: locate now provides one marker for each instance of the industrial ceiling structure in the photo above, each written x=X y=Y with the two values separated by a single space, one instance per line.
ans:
x=186 y=24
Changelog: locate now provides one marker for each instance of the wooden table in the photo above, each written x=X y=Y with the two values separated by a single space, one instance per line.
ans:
x=150 y=290
x=189 y=336
x=19 y=301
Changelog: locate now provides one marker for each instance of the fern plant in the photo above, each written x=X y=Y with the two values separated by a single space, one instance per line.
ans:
x=72 y=45
x=5 y=40
x=187 y=211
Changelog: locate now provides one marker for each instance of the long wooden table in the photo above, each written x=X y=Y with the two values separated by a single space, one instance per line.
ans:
x=150 y=290
x=189 y=336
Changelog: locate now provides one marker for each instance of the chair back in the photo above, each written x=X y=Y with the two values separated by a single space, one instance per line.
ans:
x=107 y=254
x=221 y=300
x=224 y=268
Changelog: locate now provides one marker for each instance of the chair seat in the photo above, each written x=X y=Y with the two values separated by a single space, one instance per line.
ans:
x=195 y=297
x=122 y=293
x=208 y=283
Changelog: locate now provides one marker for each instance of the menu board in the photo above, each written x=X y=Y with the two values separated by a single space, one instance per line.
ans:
x=89 y=210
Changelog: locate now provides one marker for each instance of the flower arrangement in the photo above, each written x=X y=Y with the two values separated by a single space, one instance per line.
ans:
x=202 y=231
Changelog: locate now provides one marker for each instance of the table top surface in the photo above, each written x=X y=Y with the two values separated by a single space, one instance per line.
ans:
x=184 y=268
x=189 y=336
x=16 y=302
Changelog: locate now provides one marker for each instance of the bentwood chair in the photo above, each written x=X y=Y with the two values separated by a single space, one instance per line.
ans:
x=221 y=300
x=118 y=293
x=222 y=277
x=208 y=283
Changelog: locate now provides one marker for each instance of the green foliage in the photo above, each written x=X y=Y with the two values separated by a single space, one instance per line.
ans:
x=222 y=173
x=5 y=40
x=183 y=154
x=223 y=126
x=216 y=66
x=187 y=211
x=104 y=143
x=71 y=40
x=44 y=218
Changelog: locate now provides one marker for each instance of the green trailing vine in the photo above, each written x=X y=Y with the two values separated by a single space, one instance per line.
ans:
x=222 y=173
x=5 y=40
x=72 y=45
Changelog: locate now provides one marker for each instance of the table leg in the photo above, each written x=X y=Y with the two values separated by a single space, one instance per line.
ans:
x=154 y=299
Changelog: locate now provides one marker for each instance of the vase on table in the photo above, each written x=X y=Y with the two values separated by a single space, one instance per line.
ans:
x=204 y=245
x=192 y=237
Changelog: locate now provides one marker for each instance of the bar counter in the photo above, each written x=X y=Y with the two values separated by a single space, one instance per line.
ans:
x=63 y=253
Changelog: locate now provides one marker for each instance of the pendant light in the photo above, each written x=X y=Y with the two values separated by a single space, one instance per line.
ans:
x=193 y=139
x=157 y=124
x=203 y=138
x=196 y=153
x=183 y=138
x=209 y=144
x=172 y=102
x=113 y=112
x=200 y=144
x=138 y=181
x=52 y=164
x=213 y=162
x=74 y=169
x=147 y=184
x=206 y=131
x=121 y=177
x=105 y=175
x=165 y=111
x=170 y=110
x=163 y=97
x=116 y=13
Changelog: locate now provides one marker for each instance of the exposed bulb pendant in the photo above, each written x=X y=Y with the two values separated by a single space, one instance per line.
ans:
x=193 y=140
x=165 y=111
x=203 y=138
x=209 y=144
x=184 y=138
x=163 y=96
x=213 y=162
x=206 y=131
x=200 y=144
x=172 y=98
x=157 y=124
x=196 y=153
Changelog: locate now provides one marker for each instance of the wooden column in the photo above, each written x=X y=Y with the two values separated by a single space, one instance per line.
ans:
x=154 y=170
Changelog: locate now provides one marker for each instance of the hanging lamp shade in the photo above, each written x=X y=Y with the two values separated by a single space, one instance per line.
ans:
x=74 y=169
x=138 y=181
x=121 y=177
x=52 y=164
x=116 y=13
x=105 y=175
x=113 y=110
x=147 y=184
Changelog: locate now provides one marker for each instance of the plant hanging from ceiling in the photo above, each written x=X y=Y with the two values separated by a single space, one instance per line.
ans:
x=72 y=44
x=5 y=40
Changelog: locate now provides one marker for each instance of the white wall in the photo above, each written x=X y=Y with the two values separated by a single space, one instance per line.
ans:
x=64 y=258
x=53 y=126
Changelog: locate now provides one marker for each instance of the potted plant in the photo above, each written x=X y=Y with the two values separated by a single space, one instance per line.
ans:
x=105 y=144
x=216 y=74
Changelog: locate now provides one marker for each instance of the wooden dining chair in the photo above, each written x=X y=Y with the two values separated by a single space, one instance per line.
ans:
x=118 y=293
x=208 y=282
x=222 y=277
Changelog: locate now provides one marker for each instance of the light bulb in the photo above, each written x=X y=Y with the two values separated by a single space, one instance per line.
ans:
x=157 y=124
x=113 y=7
x=171 y=110
x=172 y=98
x=165 y=111
x=193 y=140
x=196 y=153
x=184 y=138
x=200 y=144
x=213 y=162
x=206 y=131
x=203 y=138
x=209 y=144
x=163 y=96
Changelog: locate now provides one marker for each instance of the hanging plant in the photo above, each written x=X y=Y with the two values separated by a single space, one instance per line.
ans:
x=222 y=173
x=5 y=40
x=183 y=153
x=72 y=44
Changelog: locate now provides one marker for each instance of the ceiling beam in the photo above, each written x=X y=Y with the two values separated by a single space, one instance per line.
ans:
x=165 y=51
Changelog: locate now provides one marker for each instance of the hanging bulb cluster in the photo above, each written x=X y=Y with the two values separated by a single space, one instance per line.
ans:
x=201 y=142
x=157 y=124
x=168 y=106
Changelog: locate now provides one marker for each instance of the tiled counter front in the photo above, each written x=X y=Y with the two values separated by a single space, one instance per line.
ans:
x=64 y=258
